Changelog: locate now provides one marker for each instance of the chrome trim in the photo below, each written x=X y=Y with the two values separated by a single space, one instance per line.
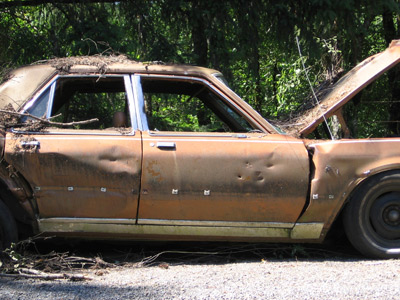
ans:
x=198 y=138
x=104 y=132
x=52 y=83
x=139 y=103
x=51 y=99
x=392 y=251
x=94 y=137
x=188 y=134
x=170 y=145
x=38 y=94
x=27 y=144
x=358 y=141
x=239 y=110
x=215 y=223
x=131 y=101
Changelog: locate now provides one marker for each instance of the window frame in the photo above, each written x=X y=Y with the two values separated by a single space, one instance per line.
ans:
x=143 y=125
x=52 y=86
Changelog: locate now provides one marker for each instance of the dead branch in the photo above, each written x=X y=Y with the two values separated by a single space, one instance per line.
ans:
x=33 y=274
x=149 y=260
x=47 y=122
x=16 y=262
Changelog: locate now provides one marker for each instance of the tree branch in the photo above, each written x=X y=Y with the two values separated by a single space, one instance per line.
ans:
x=46 y=276
x=45 y=121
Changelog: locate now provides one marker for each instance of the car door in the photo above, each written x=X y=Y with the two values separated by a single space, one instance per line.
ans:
x=206 y=163
x=90 y=170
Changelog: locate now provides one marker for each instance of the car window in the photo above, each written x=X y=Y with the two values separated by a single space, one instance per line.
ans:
x=39 y=109
x=78 y=99
x=188 y=106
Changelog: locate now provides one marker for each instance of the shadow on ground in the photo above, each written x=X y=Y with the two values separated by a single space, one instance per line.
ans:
x=144 y=254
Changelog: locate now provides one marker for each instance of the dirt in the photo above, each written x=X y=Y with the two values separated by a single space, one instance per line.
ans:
x=101 y=62
x=210 y=271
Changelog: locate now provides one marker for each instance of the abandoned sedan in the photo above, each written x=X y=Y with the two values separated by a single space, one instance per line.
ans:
x=108 y=148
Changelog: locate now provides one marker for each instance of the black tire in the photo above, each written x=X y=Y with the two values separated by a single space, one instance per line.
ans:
x=8 y=227
x=372 y=217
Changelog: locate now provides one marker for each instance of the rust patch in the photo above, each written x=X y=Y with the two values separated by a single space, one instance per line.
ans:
x=154 y=170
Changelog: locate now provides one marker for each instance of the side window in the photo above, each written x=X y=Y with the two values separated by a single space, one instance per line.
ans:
x=188 y=106
x=78 y=99
x=39 y=109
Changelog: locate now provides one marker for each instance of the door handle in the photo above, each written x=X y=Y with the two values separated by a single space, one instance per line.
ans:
x=166 y=145
x=30 y=144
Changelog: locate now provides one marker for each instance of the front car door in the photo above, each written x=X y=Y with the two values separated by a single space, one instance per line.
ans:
x=206 y=164
x=91 y=170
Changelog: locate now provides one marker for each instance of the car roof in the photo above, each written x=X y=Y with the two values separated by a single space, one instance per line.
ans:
x=21 y=84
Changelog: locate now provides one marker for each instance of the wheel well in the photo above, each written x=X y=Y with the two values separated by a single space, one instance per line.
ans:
x=23 y=219
x=336 y=230
x=367 y=181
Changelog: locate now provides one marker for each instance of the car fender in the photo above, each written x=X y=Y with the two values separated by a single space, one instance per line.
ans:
x=337 y=170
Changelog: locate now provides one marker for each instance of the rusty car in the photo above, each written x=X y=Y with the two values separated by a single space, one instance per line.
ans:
x=105 y=148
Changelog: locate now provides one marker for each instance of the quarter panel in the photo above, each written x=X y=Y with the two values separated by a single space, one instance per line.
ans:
x=340 y=166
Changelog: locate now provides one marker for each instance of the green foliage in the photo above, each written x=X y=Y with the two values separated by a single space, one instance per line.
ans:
x=173 y=112
x=251 y=42
x=369 y=113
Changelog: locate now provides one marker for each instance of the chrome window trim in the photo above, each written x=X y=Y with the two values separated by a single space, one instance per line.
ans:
x=183 y=134
x=38 y=94
x=186 y=78
x=77 y=132
x=52 y=84
x=139 y=103
x=51 y=99
x=131 y=101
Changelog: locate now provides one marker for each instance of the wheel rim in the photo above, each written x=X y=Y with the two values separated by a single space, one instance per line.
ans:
x=385 y=216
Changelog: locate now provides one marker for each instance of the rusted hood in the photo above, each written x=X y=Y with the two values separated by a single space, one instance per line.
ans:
x=346 y=88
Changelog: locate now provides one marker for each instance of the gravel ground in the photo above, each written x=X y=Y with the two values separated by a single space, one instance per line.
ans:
x=266 y=279
x=215 y=271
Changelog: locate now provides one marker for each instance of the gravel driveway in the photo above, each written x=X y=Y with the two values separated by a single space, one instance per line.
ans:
x=249 y=277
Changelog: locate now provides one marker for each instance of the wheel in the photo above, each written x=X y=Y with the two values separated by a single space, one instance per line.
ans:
x=372 y=217
x=8 y=227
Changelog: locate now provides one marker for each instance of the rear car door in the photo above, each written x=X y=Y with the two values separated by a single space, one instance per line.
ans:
x=91 y=170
